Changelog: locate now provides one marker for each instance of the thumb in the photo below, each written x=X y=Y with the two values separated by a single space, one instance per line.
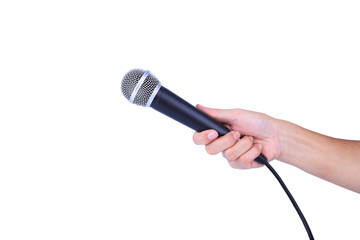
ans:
x=221 y=115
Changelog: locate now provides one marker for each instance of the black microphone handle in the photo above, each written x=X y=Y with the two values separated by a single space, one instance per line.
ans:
x=175 y=107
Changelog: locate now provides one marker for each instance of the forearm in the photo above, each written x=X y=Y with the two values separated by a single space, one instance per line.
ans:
x=334 y=160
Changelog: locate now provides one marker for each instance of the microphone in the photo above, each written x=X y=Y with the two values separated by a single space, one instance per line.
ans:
x=143 y=88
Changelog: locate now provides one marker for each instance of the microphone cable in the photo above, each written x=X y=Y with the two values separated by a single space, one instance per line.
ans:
x=261 y=159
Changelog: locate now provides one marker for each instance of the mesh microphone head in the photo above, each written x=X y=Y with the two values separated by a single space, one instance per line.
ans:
x=140 y=87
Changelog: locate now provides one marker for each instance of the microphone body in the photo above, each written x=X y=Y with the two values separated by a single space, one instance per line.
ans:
x=173 y=106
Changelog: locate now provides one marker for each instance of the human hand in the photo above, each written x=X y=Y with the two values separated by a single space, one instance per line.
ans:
x=259 y=131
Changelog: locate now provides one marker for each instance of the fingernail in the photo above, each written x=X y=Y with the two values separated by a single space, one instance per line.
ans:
x=212 y=135
x=236 y=135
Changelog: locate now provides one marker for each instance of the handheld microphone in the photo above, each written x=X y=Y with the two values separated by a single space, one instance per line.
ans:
x=143 y=88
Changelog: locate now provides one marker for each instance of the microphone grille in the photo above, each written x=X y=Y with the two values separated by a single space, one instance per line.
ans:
x=136 y=89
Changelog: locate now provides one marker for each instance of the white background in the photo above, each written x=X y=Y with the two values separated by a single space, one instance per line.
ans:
x=77 y=161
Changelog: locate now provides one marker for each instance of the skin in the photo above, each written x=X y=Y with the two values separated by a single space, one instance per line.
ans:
x=334 y=160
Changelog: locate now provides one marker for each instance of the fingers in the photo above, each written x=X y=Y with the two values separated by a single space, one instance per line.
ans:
x=222 y=143
x=246 y=160
x=240 y=153
x=205 y=137
x=239 y=148
x=214 y=145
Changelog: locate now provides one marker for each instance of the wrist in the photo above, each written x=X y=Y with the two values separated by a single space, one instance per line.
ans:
x=288 y=137
x=297 y=145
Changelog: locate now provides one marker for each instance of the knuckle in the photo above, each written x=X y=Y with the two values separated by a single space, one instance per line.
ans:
x=257 y=151
x=209 y=150
x=195 y=139
x=230 y=154
x=198 y=139
x=244 y=164
x=249 y=141
x=230 y=138
x=243 y=160
x=233 y=164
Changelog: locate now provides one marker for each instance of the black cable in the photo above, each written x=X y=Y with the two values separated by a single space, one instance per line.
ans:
x=306 y=225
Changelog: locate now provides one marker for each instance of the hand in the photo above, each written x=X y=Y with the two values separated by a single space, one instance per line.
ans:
x=259 y=133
